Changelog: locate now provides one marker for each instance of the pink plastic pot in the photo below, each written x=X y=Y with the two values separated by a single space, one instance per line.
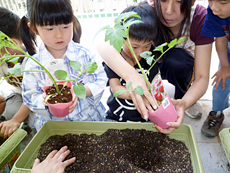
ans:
x=60 y=109
x=165 y=113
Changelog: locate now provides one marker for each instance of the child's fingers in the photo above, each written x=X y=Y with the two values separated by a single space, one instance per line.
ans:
x=69 y=161
x=59 y=153
x=36 y=162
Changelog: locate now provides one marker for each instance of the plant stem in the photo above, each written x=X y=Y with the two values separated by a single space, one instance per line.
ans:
x=15 y=46
x=142 y=71
x=157 y=60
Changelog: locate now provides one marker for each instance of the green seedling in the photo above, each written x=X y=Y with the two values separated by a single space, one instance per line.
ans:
x=78 y=88
x=119 y=33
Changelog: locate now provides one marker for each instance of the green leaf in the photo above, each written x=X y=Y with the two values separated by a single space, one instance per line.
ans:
x=90 y=67
x=172 y=43
x=103 y=28
x=75 y=65
x=61 y=74
x=116 y=37
x=131 y=22
x=160 y=47
x=147 y=56
x=180 y=40
x=139 y=90
x=117 y=93
x=14 y=60
x=15 y=70
x=129 y=85
x=79 y=90
x=125 y=16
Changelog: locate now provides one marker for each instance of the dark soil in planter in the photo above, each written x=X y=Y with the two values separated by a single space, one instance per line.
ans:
x=122 y=151
x=64 y=97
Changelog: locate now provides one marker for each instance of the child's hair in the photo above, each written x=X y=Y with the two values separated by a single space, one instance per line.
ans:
x=9 y=22
x=47 y=12
x=165 y=31
x=143 y=31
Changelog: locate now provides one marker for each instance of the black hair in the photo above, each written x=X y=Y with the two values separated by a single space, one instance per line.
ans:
x=148 y=29
x=9 y=22
x=47 y=12
x=167 y=34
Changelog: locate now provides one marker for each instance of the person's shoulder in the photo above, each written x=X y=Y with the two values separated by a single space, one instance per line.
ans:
x=200 y=11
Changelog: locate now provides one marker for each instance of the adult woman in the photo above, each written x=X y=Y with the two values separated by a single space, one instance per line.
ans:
x=177 y=18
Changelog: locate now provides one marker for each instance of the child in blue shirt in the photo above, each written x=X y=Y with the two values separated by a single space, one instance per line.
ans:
x=217 y=24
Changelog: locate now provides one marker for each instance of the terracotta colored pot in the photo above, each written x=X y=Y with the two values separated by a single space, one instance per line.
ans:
x=165 y=113
x=60 y=109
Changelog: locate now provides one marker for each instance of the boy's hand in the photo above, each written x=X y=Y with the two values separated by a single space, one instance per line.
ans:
x=222 y=74
x=180 y=108
x=9 y=127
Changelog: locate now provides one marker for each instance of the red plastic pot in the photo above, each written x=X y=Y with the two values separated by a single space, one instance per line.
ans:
x=60 y=109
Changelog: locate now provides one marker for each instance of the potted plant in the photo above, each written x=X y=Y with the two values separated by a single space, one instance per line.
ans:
x=119 y=34
x=60 y=85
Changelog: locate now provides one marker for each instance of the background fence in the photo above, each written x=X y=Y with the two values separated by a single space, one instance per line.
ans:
x=84 y=8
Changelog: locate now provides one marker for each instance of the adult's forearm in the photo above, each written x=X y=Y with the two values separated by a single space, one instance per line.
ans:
x=115 y=61
x=196 y=91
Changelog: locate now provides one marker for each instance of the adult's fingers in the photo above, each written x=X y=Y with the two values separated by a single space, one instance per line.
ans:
x=139 y=104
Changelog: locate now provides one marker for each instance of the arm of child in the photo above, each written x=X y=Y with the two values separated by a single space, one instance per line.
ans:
x=10 y=126
x=224 y=71
x=115 y=86
x=2 y=104
x=129 y=74
x=95 y=82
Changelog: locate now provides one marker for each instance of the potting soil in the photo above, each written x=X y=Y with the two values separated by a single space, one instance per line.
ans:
x=119 y=151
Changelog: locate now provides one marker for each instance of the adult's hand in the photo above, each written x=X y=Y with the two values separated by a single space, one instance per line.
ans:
x=180 y=108
x=145 y=102
x=54 y=162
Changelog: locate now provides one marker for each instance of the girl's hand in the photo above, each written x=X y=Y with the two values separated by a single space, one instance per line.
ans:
x=180 y=108
x=9 y=127
x=44 y=98
x=54 y=162
x=73 y=106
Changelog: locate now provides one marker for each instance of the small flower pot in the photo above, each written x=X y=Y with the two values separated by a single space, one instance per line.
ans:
x=166 y=111
x=60 y=109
